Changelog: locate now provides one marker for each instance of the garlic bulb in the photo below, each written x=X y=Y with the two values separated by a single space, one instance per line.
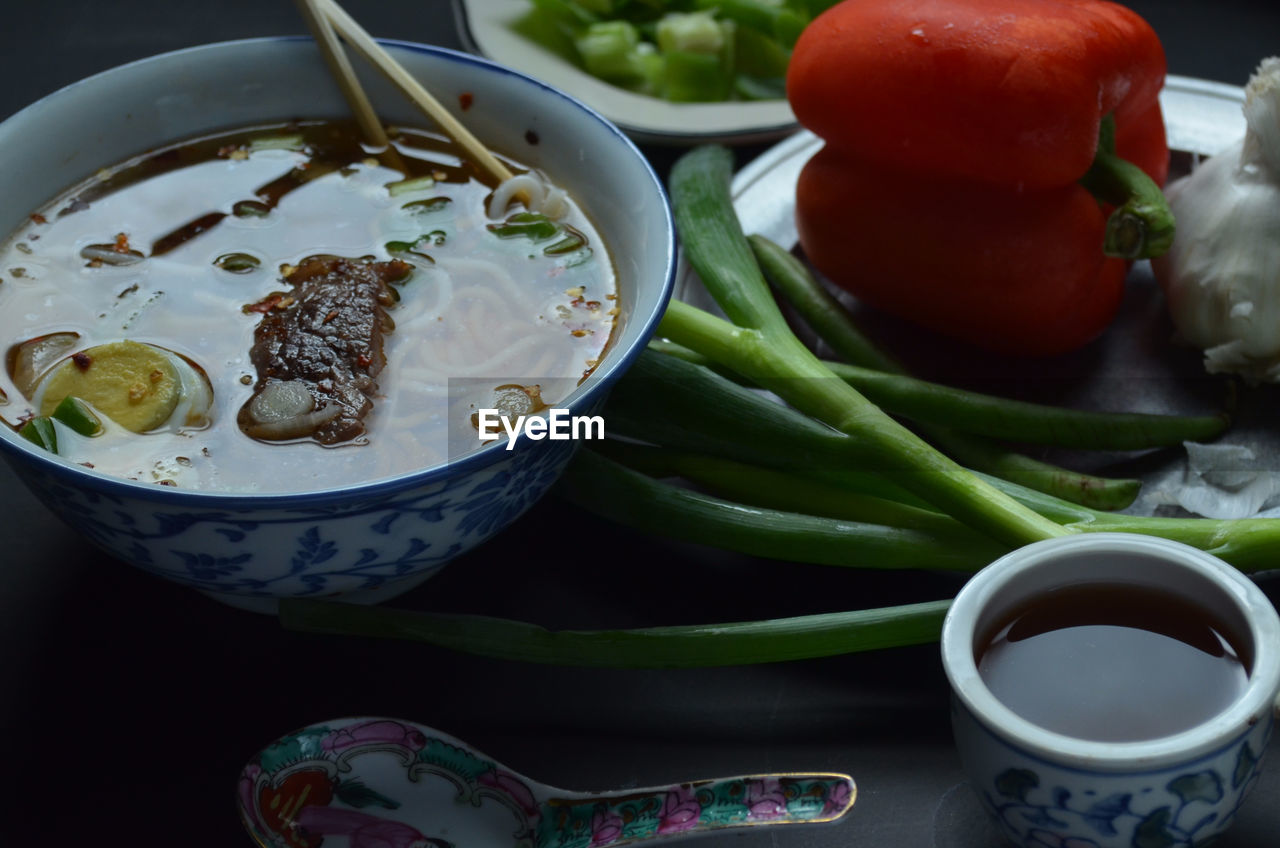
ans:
x=1222 y=275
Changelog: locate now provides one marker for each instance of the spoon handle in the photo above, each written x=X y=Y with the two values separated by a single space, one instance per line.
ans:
x=630 y=816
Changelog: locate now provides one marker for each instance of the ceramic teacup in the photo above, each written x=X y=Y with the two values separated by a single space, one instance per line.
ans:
x=1051 y=790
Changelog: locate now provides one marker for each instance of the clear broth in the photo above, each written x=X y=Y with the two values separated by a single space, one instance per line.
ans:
x=479 y=311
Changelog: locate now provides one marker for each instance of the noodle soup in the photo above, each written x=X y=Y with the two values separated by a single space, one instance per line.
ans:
x=173 y=268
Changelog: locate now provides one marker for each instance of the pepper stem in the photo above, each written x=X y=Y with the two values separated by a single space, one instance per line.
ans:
x=1142 y=226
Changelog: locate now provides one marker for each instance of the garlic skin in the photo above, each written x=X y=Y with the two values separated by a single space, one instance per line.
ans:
x=1221 y=277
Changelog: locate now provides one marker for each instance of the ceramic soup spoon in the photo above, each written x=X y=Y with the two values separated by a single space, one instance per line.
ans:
x=388 y=783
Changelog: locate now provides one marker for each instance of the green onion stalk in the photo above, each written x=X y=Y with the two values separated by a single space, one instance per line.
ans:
x=624 y=496
x=798 y=502
x=759 y=345
x=942 y=411
x=974 y=412
x=739 y=444
x=692 y=646
x=671 y=401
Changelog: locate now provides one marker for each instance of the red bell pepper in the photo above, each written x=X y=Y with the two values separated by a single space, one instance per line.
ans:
x=960 y=137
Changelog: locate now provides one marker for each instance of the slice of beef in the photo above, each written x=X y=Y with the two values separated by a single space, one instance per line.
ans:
x=318 y=350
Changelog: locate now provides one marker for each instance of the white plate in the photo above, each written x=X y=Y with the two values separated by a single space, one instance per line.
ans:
x=486 y=28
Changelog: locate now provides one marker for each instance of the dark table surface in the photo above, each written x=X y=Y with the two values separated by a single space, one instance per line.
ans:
x=127 y=704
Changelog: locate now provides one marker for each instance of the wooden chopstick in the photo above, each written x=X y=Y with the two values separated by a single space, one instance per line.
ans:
x=363 y=43
x=340 y=66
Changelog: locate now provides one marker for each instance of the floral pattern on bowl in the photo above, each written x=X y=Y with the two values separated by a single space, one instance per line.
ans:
x=365 y=549
x=379 y=782
x=1043 y=805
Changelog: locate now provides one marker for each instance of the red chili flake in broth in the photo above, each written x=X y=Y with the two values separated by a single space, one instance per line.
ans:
x=465 y=99
x=82 y=360
x=121 y=244
x=37 y=218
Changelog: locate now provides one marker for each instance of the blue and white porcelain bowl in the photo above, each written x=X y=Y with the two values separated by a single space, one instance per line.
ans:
x=365 y=542
x=1049 y=790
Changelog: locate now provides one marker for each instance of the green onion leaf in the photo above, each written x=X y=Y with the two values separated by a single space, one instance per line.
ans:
x=238 y=263
x=412 y=251
x=530 y=225
x=40 y=431
x=278 y=142
x=250 y=209
x=413 y=184
x=431 y=204
x=687 y=646
x=572 y=241
x=77 y=415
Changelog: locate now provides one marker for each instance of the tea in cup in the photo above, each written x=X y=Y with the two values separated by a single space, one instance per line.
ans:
x=1112 y=690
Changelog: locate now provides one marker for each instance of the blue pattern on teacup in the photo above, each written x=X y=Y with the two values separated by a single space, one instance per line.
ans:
x=1039 y=804
x=272 y=552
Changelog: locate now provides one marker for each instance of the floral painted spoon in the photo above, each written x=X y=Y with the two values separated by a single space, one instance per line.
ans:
x=388 y=783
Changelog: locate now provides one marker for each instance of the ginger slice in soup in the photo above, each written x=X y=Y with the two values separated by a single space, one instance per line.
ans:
x=134 y=384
